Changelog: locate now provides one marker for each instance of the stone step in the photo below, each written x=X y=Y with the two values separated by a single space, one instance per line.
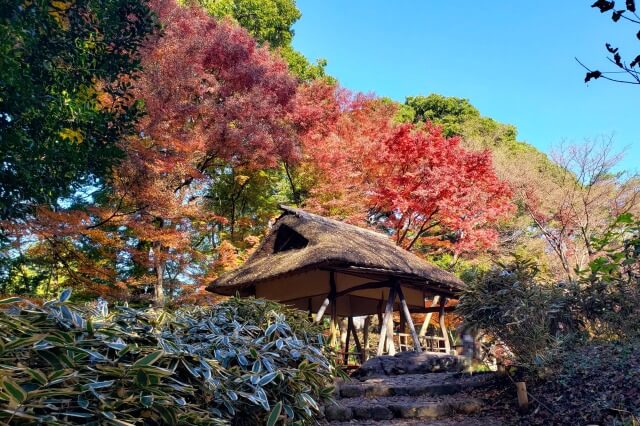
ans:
x=410 y=363
x=432 y=384
x=401 y=407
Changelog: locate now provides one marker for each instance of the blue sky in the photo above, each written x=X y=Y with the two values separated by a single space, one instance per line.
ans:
x=513 y=60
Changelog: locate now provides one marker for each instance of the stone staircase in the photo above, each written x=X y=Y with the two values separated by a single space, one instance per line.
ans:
x=409 y=388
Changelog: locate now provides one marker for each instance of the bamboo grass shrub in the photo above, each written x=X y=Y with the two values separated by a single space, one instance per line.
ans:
x=243 y=361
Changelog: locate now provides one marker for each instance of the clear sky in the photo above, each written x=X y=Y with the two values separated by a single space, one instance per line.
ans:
x=513 y=60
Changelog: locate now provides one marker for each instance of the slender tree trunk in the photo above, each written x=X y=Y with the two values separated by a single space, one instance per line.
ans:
x=295 y=194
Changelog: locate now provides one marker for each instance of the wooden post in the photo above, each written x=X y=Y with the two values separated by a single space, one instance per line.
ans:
x=365 y=338
x=346 y=343
x=407 y=316
x=427 y=317
x=391 y=345
x=384 y=326
x=380 y=318
x=443 y=326
x=356 y=339
x=323 y=308
x=332 y=331
x=523 y=398
x=334 y=310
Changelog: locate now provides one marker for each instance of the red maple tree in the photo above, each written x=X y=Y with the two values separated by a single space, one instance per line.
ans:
x=424 y=189
x=433 y=192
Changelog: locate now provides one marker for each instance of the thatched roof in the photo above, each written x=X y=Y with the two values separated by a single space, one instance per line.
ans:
x=300 y=242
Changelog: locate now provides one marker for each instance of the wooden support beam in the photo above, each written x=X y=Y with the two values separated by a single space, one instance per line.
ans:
x=407 y=316
x=346 y=343
x=427 y=318
x=443 y=326
x=387 y=320
x=391 y=345
x=323 y=308
x=356 y=339
x=365 y=338
x=334 y=310
x=333 y=331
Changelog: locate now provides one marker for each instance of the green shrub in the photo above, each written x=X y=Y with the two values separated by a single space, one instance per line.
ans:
x=514 y=308
x=240 y=361
x=607 y=295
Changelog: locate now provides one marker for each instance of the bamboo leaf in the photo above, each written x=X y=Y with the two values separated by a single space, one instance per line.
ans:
x=65 y=295
x=275 y=413
x=148 y=359
x=37 y=375
x=14 y=390
x=267 y=378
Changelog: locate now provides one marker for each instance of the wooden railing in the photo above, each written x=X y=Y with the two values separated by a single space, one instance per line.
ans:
x=428 y=343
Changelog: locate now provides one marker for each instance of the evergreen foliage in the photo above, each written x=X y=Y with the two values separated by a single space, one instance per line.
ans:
x=65 y=98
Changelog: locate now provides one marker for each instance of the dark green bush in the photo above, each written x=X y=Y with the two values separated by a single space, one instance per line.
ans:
x=243 y=361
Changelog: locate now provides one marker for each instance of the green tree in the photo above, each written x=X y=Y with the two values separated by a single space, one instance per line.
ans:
x=65 y=68
x=449 y=112
x=269 y=21
x=266 y=20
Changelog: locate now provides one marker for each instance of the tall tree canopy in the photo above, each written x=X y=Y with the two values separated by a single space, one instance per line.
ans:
x=65 y=72
x=270 y=22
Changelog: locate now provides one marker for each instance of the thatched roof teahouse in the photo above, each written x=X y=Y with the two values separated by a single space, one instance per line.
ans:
x=314 y=263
